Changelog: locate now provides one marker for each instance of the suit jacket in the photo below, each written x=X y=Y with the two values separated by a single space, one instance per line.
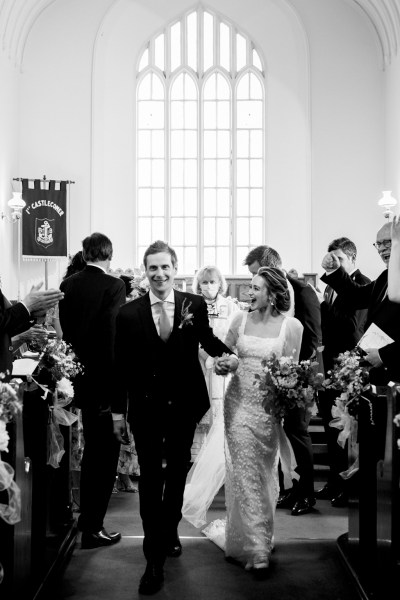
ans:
x=381 y=311
x=342 y=324
x=151 y=372
x=307 y=311
x=87 y=318
x=13 y=320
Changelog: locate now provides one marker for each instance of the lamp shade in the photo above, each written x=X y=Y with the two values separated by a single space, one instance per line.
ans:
x=17 y=203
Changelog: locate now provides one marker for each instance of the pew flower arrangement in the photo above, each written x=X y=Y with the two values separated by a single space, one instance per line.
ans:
x=57 y=366
x=288 y=384
x=10 y=406
x=350 y=378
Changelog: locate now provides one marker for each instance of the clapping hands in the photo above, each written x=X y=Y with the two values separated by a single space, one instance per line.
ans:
x=39 y=302
x=227 y=363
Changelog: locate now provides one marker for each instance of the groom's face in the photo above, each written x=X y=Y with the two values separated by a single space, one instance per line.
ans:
x=160 y=273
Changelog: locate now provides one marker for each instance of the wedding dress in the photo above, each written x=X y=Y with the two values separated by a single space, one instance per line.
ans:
x=254 y=442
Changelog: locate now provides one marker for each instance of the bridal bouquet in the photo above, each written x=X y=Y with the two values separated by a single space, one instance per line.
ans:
x=288 y=384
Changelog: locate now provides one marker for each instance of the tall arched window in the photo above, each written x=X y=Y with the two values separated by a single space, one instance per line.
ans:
x=200 y=143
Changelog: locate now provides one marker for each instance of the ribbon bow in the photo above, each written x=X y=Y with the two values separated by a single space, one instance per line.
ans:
x=59 y=416
x=11 y=512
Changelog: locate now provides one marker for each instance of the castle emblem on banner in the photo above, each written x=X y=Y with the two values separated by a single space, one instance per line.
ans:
x=44 y=232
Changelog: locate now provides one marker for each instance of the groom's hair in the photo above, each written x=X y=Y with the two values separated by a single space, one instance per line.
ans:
x=265 y=256
x=160 y=246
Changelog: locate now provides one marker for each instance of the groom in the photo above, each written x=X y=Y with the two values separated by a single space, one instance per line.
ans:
x=162 y=390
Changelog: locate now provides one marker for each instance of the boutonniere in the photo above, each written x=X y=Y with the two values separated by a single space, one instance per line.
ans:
x=186 y=316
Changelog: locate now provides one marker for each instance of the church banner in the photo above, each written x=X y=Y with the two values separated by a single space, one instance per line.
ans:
x=44 y=221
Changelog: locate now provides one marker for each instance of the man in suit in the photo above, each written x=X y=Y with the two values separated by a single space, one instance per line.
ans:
x=163 y=392
x=385 y=363
x=88 y=312
x=342 y=327
x=300 y=498
x=19 y=317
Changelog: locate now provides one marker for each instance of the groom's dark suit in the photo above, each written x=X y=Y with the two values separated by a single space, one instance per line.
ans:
x=163 y=391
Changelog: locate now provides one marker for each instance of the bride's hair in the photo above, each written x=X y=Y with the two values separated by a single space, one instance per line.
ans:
x=278 y=290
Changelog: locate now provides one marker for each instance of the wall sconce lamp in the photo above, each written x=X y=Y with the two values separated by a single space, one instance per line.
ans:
x=16 y=205
x=387 y=202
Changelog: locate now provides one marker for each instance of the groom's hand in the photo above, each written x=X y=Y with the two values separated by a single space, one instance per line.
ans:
x=120 y=431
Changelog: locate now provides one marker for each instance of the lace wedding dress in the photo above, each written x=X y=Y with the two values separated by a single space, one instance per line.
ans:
x=254 y=442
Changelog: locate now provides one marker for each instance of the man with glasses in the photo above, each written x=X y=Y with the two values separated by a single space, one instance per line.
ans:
x=385 y=314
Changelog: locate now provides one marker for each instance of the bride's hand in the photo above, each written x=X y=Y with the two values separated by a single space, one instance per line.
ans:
x=226 y=364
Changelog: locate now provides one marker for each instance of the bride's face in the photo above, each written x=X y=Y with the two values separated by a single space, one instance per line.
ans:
x=259 y=296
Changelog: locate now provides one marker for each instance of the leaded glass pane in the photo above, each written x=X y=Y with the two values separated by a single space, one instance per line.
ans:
x=208 y=41
x=241 y=57
x=192 y=40
x=191 y=202
x=255 y=172
x=175 y=46
x=210 y=202
x=210 y=144
x=177 y=202
x=224 y=46
x=242 y=204
x=159 y=52
x=157 y=203
x=242 y=231
x=223 y=203
x=157 y=173
x=209 y=231
x=223 y=173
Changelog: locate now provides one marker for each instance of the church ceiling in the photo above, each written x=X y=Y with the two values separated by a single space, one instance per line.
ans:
x=17 y=17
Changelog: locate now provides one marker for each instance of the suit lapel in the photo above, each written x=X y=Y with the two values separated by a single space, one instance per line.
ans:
x=147 y=317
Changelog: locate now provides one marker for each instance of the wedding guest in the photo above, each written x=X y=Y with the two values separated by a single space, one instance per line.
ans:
x=394 y=263
x=211 y=284
x=157 y=363
x=87 y=317
x=254 y=437
x=21 y=316
x=300 y=498
x=385 y=364
x=342 y=327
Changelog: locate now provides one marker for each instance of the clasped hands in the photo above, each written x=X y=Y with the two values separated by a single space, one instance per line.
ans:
x=227 y=363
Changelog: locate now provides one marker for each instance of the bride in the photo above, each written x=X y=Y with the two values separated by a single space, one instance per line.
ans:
x=254 y=440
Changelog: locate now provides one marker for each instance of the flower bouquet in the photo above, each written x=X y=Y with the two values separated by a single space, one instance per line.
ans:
x=57 y=366
x=288 y=384
x=10 y=407
x=350 y=378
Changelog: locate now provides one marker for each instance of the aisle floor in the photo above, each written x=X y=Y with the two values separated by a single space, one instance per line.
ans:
x=306 y=564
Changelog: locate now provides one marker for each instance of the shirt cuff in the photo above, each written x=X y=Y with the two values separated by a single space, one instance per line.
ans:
x=235 y=355
x=117 y=416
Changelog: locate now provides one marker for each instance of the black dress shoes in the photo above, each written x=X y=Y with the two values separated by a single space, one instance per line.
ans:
x=326 y=493
x=340 y=501
x=286 y=499
x=152 y=580
x=100 y=538
x=174 y=547
x=303 y=506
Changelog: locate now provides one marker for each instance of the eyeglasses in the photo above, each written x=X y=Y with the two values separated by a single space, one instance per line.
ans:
x=382 y=244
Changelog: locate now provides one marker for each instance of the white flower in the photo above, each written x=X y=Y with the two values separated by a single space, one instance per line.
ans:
x=4 y=437
x=64 y=386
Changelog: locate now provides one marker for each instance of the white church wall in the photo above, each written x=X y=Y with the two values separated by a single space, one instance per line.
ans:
x=9 y=120
x=347 y=129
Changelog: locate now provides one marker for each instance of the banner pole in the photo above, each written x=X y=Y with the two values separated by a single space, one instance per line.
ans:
x=19 y=252
x=46 y=274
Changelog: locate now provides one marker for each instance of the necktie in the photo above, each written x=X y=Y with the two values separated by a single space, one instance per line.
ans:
x=164 y=324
